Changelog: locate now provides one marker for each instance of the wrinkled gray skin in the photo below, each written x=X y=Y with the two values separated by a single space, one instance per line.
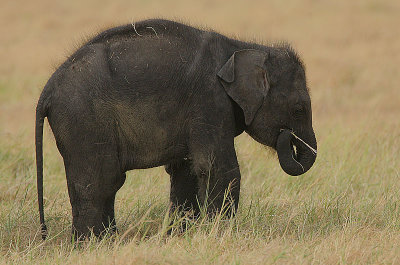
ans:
x=162 y=93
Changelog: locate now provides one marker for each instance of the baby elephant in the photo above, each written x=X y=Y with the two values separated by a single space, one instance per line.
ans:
x=158 y=92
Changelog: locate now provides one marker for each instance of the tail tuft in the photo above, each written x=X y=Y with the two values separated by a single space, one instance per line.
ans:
x=43 y=231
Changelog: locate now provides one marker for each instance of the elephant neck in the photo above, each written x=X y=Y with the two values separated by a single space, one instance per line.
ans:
x=239 y=118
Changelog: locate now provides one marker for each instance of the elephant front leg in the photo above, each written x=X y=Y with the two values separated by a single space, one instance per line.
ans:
x=219 y=177
x=183 y=193
x=184 y=188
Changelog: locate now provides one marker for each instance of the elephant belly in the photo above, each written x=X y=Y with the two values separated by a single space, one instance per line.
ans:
x=150 y=138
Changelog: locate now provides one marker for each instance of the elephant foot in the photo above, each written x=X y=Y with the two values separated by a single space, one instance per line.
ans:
x=89 y=220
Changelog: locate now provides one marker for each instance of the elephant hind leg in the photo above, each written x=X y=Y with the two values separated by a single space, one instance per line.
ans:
x=87 y=218
x=108 y=210
x=108 y=216
x=93 y=180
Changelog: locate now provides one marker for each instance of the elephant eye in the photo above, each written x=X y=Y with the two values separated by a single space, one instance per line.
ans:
x=298 y=111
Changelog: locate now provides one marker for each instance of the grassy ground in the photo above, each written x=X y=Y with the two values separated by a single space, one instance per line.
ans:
x=346 y=209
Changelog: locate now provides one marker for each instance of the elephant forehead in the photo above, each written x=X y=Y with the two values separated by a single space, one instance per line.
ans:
x=298 y=96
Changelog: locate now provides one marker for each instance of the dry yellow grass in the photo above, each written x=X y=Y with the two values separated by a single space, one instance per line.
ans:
x=346 y=209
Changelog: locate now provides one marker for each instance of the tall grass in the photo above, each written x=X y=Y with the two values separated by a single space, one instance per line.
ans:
x=347 y=206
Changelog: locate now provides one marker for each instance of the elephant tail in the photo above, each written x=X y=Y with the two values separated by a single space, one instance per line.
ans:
x=41 y=113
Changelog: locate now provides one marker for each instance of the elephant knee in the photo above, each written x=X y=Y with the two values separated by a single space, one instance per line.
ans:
x=203 y=165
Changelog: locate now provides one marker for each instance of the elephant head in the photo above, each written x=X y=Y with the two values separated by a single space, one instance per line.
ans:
x=270 y=87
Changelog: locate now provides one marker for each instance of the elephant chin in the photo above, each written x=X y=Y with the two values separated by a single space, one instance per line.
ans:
x=294 y=156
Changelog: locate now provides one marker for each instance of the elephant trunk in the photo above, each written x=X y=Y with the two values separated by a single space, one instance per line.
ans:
x=295 y=155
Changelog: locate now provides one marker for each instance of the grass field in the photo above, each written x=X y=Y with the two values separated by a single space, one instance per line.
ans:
x=345 y=210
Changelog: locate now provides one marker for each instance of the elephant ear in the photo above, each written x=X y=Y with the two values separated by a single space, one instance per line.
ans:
x=245 y=80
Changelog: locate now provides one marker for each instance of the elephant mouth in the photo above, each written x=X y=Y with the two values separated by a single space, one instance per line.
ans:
x=296 y=156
